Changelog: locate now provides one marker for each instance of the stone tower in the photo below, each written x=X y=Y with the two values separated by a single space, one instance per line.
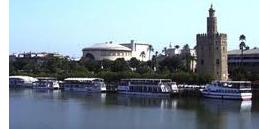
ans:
x=212 y=50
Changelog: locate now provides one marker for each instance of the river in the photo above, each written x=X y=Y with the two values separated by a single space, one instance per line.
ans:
x=32 y=109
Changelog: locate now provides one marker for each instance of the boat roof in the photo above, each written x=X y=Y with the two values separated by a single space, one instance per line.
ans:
x=26 y=78
x=46 y=78
x=234 y=81
x=145 y=79
x=82 y=79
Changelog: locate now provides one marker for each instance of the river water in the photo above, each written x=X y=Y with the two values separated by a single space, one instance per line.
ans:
x=31 y=109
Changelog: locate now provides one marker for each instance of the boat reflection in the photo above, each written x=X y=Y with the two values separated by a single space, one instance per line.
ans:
x=218 y=105
x=138 y=101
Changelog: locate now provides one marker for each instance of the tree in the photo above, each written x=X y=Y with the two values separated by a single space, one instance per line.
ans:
x=154 y=61
x=156 y=53
x=242 y=46
x=172 y=63
x=176 y=46
x=150 y=49
x=187 y=57
x=142 y=55
x=164 y=50
x=106 y=64
x=119 y=65
x=143 y=69
x=134 y=62
x=186 y=47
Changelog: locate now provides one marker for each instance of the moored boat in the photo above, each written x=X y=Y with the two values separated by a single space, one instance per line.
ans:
x=147 y=86
x=84 y=84
x=46 y=83
x=240 y=90
x=21 y=81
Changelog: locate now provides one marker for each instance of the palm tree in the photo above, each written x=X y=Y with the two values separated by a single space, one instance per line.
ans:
x=186 y=47
x=156 y=53
x=155 y=63
x=176 y=46
x=150 y=49
x=164 y=50
x=142 y=55
x=187 y=56
x=242 y=46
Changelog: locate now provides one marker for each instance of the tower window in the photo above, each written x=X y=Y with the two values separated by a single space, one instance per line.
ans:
x=202 y=62
x=217 y=61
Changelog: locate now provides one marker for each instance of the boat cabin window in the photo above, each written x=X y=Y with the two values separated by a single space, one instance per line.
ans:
x=144 y=82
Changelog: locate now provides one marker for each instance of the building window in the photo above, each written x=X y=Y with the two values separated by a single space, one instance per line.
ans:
x=217 y=61
x=202 y=62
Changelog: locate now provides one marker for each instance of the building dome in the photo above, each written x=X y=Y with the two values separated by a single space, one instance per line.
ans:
x=107 y=46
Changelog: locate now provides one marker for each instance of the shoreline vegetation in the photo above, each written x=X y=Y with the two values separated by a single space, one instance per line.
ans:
x=111 y=71
x=175 y=68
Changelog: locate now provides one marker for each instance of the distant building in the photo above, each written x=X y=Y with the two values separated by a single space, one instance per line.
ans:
x=172 y=51
x=111 y=51
x=35 y=55
x=250 y=60
x=212 y=50
x=38 y=57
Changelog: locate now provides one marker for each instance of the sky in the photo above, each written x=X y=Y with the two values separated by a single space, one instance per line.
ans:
x=68 y=26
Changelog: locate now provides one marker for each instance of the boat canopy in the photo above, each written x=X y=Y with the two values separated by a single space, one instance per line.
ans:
x=83 y=79
x=145 y=79
x=25 y=78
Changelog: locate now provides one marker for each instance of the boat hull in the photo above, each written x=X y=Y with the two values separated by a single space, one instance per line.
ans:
x=247 y=96
x=84 y=89
x=145 y=93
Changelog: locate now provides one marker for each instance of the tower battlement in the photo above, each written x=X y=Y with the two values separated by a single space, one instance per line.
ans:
x=205 y=36
x=201 y=36
x=222 y=35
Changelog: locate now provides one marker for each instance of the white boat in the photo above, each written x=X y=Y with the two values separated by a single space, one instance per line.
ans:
x=21 y=81
x=228 y=90
x=46 y=83
x=147 y=86
x=84 y=84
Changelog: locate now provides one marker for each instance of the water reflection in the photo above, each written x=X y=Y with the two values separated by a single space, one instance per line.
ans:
x=216 y=105
x=211 y=105
x=140 y=101
x=59 y=109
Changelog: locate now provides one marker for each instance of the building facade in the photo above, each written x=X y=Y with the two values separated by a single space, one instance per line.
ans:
x=138 y=48
x=212 y=50
x=111 y=51
x=249 y=61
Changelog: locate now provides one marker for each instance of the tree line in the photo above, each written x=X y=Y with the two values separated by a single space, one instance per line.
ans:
x=170 y=67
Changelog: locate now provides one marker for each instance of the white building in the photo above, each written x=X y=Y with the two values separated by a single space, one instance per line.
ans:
x=172 y=51
x=110 y=51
